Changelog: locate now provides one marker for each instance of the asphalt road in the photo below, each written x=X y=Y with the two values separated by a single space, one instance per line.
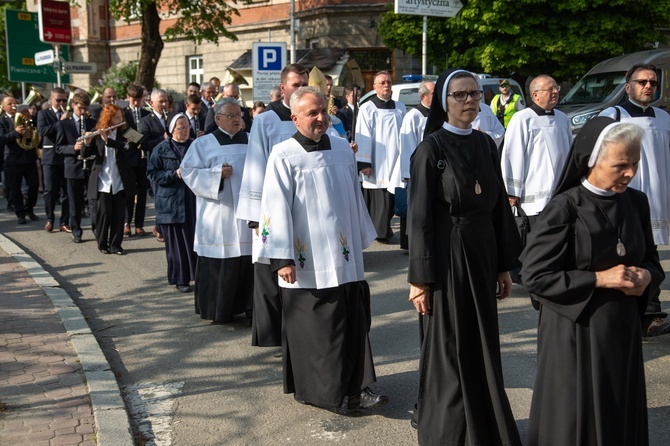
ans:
x=204 y=384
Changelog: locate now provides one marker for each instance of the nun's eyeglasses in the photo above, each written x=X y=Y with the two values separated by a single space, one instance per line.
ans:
x=461 y=96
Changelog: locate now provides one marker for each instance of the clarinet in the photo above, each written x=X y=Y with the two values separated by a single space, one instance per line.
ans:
x=82 y=131
x=196 y=125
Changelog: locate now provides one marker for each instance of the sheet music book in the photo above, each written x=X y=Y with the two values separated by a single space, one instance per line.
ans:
x=133 y=135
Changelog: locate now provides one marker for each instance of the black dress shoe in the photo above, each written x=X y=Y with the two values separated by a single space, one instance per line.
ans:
x=32 y=216
x=22 y=220
x=369 y=399
x=414 y=422
x=184 y=288
x=105 y=251
x=655 y=326
x=76 y=238
x=118 y=252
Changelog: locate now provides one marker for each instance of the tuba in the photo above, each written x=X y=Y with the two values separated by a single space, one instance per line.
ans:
x=97 y=95
x=33 y=97
x=30 y=139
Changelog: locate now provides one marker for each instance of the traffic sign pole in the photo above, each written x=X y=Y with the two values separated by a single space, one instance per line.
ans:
x=60 y=65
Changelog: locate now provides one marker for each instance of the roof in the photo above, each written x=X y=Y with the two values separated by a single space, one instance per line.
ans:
x=322 y=58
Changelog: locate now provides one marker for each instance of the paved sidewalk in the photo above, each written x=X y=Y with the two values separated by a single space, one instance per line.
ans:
x=43 y=396
x=56 y=386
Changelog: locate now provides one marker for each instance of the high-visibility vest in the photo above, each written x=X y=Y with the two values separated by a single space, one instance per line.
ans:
x=510 y=108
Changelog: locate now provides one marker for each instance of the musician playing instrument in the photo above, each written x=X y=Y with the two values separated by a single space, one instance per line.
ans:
x=53 y=162
x=196 y=120
x=19 y=162
x=111 y=178
x=136 y=203
x=67 y=133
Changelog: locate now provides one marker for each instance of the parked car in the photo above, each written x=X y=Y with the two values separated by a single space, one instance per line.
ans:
x=603 y=86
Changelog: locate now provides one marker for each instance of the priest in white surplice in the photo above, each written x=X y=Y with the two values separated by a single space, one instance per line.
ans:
x=536 y=146
x=654 y=167
x=314 y=227
x=271 y=127
x=377 y=133
x=212 y=169
x=411 y=135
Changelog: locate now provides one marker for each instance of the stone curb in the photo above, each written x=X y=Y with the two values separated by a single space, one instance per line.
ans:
x=112 y=426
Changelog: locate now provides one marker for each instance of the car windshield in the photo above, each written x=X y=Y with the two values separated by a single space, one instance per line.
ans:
x=595 y=88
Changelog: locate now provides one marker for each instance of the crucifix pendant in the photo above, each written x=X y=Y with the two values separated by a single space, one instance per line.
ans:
x=478 y=188
x=620 y=249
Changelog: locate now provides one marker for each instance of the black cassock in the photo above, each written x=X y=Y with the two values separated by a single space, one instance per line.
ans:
x=590 y=387
x=459 y=240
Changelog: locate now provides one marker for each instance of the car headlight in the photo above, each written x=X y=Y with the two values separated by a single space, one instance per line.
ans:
x=580 y=120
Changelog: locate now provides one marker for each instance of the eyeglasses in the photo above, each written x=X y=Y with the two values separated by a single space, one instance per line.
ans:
x=60 y=100
x=461 y=96
x=644 y=82
x=230 y=115
x=504 y=85
x=383 y=83
x=555 y=89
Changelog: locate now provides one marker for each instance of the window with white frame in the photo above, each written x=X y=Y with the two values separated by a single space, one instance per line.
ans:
x=195 y=70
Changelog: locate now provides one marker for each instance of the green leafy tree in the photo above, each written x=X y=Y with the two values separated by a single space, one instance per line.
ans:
x=528 y=37
x=198 y=21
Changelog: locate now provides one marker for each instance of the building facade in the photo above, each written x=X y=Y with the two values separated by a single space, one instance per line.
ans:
x=349 y=25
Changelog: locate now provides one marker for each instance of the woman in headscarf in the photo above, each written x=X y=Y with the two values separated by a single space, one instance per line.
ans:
x=174 y=202
x=110 y=179
x=462 y=243
x=591 y=263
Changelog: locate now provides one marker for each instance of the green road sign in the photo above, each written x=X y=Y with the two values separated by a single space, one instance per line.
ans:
x=23 y=41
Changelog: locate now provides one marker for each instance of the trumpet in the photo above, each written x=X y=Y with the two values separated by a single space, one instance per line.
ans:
x=97 y=132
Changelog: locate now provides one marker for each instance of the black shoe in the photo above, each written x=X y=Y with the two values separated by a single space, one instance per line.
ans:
x=104 y=251
x=184 y=288
x=414 y=422
x=368 y=399
x=118 y=252
x=32 y=216
x=22 y=220
x=76 y=238
x=655 y=326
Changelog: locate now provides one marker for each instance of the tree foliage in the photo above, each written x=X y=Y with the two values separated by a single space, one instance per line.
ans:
x=528 y=37
x=198 y=21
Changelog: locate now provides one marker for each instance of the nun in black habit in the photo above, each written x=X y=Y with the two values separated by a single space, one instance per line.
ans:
x=462 y=243
x=591 y=263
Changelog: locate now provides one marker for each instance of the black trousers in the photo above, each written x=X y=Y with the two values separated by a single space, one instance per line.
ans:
x=75 y=193
x=54 y=187
x=110 y=216
x=138 y=207
x=15 y=176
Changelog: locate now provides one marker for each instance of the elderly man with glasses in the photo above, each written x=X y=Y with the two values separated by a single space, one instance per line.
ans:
x=537 y=142
x=654 y=167
x=378 y=137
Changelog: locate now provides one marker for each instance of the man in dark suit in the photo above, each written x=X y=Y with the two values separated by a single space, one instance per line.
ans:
x=346 y=113
x=108 y=97
x=195 y=118
x=19 y=164
x=53 y=168
x=192 y=89
x=229 y=91
x=154 y=129
x=67 y=133
x=136 y=203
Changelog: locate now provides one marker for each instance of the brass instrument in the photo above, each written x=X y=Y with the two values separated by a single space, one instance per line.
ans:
x=148 y=107
x=97 y=95
x=233 y=77
x=30 y=138
x=33 y=97
x=70 y=98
